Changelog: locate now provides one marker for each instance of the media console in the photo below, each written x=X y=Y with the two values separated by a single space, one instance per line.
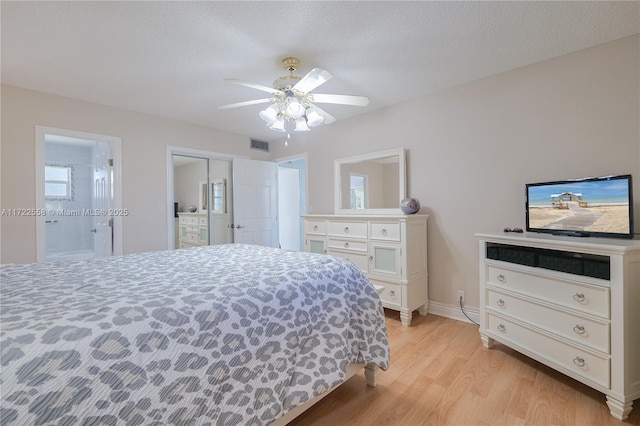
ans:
x=569 y=303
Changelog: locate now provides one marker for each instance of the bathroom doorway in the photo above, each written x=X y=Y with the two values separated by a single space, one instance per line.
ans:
x=78 y=193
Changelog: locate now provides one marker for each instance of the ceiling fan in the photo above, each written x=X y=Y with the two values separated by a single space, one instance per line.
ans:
x=291 y=101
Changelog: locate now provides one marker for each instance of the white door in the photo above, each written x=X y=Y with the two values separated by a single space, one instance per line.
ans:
x=255 y=202
x=102 y=202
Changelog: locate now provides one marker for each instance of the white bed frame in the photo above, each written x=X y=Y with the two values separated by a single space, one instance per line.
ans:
x=370 y=373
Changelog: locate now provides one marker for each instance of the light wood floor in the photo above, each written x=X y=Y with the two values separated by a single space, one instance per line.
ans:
x=440 y=374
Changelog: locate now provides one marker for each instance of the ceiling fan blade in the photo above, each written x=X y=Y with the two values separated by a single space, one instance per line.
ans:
x=328 y=118
x=253 y=86
x=245 y=103
x=341 y=99
x=313 y=79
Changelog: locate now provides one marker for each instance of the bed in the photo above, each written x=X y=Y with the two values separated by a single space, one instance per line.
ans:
x=231 y=334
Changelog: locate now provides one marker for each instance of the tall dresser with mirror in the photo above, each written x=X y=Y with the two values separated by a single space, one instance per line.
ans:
x=369 y=229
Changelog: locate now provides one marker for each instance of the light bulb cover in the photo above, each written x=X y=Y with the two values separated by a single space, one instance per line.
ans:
x=294 y=108
x=301 y=125
x=313 y=118
x=278 y=125
x=270 y=114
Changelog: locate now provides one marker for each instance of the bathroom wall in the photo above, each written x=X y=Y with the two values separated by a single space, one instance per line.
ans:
x=69 y=229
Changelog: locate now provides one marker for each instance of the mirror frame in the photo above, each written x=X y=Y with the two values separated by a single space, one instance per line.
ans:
x=402 y=178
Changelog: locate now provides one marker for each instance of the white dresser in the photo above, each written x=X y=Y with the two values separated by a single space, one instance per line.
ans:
x=390 y=249
x=570 y=303
x=193 y=229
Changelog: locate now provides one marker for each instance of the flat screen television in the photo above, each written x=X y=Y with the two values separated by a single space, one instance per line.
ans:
x=588 y=207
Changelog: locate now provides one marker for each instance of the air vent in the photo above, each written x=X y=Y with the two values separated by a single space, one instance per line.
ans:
x=261 y=145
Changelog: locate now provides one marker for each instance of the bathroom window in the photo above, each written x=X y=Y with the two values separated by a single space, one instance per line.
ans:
x=359 y=192
x=58 y=183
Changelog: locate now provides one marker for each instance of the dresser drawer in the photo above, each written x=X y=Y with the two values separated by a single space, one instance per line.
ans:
x=188 y=220
x=348 y=245
x=191 y=228
x=384 y=231
x=583 y=297
x=392 y=293
x=361 y=260
x=575 y=359
x=347 y=229
x=315 y=227
x=580 y=329
x=192 y=237
x=202 y=220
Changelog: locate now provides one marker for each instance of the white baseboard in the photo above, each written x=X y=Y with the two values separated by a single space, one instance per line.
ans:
x=454 y=312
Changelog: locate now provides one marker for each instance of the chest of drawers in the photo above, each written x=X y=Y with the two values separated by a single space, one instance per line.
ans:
x=193 y=229
x=390 y=249
x=577 y=313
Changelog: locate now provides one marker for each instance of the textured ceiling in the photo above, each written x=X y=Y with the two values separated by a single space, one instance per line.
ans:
x=170 y=58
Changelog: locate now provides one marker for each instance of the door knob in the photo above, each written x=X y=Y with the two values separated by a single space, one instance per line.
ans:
x=239 y=226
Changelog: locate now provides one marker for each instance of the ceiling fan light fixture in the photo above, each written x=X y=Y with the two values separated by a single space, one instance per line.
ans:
x=270 y=114
x=301 y=125
x=278 y=125
x=313 y=118
x=291 y=100
x=294 y=108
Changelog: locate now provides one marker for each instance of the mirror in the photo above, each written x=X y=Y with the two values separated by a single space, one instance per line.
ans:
x=370 y=183
x=217 y=193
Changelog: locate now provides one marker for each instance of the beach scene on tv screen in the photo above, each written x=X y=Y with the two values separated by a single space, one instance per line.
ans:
x=590 y=206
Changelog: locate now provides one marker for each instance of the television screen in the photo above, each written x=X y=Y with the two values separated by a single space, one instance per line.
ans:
x=598 y=207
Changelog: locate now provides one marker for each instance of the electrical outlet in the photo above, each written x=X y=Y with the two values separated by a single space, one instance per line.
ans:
x=460 y=296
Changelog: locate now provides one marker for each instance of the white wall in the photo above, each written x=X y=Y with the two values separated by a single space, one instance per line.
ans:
x=144 y=141
x=472 y=148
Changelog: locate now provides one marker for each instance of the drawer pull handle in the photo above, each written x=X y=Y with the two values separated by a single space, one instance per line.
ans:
x=315 y=227
x=501 y=278
x=502 y=328
x=579 y=297
x=346 y=229
x=579 y=361
x=346 y=244
x=392 y=293
x=384 y=232
x=579 y=329
x=500 y=303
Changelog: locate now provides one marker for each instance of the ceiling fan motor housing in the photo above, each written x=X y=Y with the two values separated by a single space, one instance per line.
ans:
x=286 y=82
x=291 y=64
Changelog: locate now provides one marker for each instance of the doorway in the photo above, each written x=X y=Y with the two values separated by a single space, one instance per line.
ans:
x=292 y=200
x=78 y=193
